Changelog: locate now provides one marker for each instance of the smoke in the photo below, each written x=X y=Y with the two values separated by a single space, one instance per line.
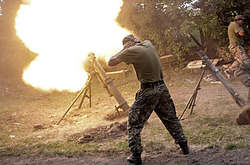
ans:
x=63 y=32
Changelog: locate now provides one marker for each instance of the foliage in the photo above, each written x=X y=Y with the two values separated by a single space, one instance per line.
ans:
x=153 y=20
x=9 y=10
x=217 y=14
x=14 y=56
x=167 y=23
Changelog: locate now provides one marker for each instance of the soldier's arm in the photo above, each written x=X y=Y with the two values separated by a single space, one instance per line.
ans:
x=114 y=60
x=241 y=33
x=239 y=30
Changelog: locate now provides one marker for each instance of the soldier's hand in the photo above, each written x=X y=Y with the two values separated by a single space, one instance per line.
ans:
x=128 y=45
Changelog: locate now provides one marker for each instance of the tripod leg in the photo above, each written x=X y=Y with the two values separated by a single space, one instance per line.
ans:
x=84 y=95
x=196 y=91
x=192 y=100
x=90 y=95
x=76 y=98
x=193 y=103
x=73 y=102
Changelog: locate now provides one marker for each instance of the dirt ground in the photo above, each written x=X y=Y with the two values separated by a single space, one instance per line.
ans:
x=206 y=156
x=29 y=113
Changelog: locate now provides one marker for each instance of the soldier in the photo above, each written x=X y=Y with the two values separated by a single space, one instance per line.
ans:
x=153 y=95
x=241 y=65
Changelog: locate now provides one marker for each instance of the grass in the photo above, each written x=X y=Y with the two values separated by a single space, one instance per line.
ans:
x=207 y=127
x=154 y=146
x=49 y=149
x=218 y=131
x=122 y=146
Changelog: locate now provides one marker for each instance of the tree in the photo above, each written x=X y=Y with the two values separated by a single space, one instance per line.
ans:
x=14 y=56
x=160 y=21
x=217 y=14
x=9 y=10
x=167 y=22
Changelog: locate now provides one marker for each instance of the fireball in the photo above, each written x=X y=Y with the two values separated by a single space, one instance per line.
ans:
x=62 y=33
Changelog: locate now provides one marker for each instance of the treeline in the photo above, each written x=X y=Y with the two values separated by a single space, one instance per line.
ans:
x=168 y=22
x=14 y=56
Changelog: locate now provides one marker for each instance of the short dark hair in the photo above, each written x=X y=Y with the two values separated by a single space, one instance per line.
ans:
x=128 y=38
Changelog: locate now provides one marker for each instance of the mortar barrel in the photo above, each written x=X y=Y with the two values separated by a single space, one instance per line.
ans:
x=108 y=82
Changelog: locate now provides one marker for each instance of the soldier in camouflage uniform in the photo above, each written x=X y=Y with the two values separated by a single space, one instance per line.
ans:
x=152 y=96
x=241 y=66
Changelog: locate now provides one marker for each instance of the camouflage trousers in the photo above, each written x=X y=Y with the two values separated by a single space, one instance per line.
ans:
x=147 y=100
x=241 y=66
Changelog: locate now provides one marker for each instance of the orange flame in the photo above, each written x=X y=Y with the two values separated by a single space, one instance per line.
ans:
x=63 y=32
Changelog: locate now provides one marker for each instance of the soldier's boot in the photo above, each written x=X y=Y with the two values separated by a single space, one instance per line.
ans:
x=184 y=147
x=135 y=159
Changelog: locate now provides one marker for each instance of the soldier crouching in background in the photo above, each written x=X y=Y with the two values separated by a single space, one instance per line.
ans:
x=241 y=65
x=152 y=96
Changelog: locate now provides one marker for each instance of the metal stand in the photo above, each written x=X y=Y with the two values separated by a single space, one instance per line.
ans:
x=98 y=71
x=192 y=101
x=218 y=75
x=87 y=89
x=84 y=90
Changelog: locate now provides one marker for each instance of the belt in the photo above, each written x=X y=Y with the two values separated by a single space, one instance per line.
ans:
x=151 y=84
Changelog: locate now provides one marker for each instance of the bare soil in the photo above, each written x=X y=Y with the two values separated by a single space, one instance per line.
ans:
x=206 y=156
x=28 y=113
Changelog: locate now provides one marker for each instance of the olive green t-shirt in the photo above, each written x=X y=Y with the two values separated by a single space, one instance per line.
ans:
x=145 y=60
x=233 y=30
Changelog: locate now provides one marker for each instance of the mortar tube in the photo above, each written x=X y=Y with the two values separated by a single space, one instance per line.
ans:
x=108 y=82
